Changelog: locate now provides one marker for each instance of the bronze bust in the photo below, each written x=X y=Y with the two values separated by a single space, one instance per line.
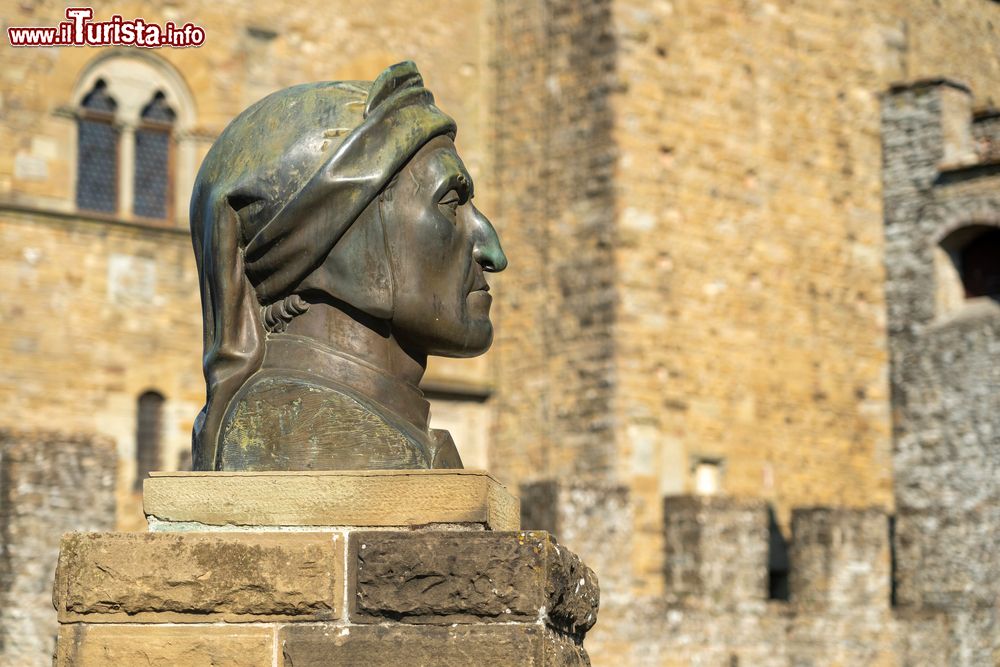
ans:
x=337 y=247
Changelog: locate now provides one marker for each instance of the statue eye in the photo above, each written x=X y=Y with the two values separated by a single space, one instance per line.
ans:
x=451 y=201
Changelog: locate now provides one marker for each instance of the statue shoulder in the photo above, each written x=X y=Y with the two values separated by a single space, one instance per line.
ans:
x=298 y=422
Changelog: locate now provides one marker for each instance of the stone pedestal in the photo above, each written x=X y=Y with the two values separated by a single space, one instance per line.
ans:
x=347 y=568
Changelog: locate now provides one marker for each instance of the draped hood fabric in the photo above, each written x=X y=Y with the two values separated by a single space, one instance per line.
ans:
x=278 y=190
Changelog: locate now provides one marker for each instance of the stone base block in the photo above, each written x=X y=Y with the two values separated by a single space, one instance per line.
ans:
x=374 y=597
x=391 y=646
x=83 y=645
x=328 y=500
x=199 y=577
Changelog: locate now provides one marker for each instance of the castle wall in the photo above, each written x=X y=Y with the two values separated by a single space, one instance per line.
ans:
x=941 y=184
x=748 y=310
x=96 y=315
x=50 y=483
x=716 y=608
x=555 y=176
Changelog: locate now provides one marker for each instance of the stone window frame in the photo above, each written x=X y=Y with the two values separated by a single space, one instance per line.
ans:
x=133 y=78
x=949 y=293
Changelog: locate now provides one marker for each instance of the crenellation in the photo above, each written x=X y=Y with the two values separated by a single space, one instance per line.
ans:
x=986 y=134
x=716 y=552
x=715 y=604
x=840 y=561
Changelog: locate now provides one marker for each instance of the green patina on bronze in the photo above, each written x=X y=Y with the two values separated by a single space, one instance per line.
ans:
x=327 y=277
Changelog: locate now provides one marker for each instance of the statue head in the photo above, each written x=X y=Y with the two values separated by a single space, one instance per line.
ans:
x=348 y=192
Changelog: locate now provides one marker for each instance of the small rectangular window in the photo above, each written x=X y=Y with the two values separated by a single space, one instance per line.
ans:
x=707 y=477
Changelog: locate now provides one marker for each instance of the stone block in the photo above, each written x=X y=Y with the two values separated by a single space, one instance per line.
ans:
x=447 y=577
x=199 y=577
x=165 y=646
x=519 y=644
x=370 y=498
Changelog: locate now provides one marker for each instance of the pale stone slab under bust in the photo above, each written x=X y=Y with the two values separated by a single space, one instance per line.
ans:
x=470 y=499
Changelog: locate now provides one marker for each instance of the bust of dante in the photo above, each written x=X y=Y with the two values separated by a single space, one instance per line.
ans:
x=337 y=247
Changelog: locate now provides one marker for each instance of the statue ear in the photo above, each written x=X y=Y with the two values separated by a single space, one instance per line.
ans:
x=357 y=270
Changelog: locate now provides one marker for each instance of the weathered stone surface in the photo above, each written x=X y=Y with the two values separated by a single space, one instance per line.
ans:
x=457 y=646
x=198 y=577
x=469 y=577
x=944 y=373
x=49 y=483
x=343 y=498
x=569 y=508
x=165 y=646
x=922 y=638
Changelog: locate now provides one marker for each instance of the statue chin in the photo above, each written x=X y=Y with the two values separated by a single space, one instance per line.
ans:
x=475 y=340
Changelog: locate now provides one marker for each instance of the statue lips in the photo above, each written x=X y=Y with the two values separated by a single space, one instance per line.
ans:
x=479 y=294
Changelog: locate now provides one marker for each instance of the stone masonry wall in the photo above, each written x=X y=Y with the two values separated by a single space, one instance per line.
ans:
x=716 y=608
x=555 y=173
x=50 y=484
x=940 y=178
x=749 y=308
x=93 y=317
x=432 y=597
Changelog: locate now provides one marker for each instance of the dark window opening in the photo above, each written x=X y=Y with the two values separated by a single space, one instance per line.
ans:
x=981 y=265
x=149 y=423
x=777 y=560
x=152 y=160
x=975 y=252
x=97 y=152
x=893 y=571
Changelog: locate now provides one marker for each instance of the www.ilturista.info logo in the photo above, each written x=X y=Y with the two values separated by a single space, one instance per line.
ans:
x=80 y=30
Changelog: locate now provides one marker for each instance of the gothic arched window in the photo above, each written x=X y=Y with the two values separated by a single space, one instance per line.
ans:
x=97 y=152
x=152 y=159
x=138 y=151
x=149 y=423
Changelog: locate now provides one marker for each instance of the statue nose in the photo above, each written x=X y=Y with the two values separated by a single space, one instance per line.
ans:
x=486 y=249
